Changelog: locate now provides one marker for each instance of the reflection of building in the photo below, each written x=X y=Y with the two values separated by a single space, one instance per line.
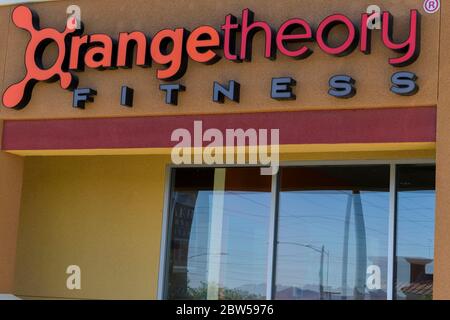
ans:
x=183 y=212
x=420 y=283
x=308 y=292
x=293 y=293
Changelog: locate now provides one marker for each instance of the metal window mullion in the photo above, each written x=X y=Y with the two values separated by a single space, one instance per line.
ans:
x=392 y=228
x=272 y=247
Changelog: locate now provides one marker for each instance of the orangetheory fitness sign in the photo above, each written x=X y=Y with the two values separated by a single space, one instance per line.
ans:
x=172 y=48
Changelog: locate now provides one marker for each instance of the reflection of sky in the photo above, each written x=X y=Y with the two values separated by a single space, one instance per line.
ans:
x=415 y=231
x=198 y=241
x=316 y=219
x=244 y=238
x=415 y=226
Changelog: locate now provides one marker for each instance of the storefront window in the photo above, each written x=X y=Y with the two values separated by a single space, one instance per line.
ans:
x=219 y=236
x=415 y=232
x=332 y=233
x=361 y=232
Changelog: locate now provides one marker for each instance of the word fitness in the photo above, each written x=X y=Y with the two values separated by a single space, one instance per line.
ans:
x=341 y=86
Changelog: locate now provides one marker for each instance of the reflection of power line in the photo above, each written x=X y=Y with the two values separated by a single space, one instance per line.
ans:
x=244 y=281
x=208 y=254
x=240 y=195
x=261 y=274
x=200 y=264
x=342 y=220
x=315 y=203
x=241 y=253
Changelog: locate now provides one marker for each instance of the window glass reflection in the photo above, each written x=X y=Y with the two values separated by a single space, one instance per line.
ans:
x=333 y=233
x=415 y=232
x=219 y=234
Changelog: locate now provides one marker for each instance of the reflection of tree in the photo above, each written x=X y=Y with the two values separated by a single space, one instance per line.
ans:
x=201 y=292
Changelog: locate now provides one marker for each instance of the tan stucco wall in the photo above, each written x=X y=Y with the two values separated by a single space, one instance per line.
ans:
x=10 y=185
x=103 y=214
x=442 y=241
x=371 y=72
x=10 y=193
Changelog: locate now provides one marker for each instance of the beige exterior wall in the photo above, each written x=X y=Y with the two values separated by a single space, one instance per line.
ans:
x=103 y=214
x=442 y=241
x=10 y=194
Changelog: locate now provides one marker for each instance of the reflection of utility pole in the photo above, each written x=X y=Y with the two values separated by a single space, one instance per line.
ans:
x=321 y=273
x=322 y=252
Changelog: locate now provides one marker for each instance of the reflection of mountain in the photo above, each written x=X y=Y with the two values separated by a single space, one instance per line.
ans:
x=257 y=289
x=294 y=293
